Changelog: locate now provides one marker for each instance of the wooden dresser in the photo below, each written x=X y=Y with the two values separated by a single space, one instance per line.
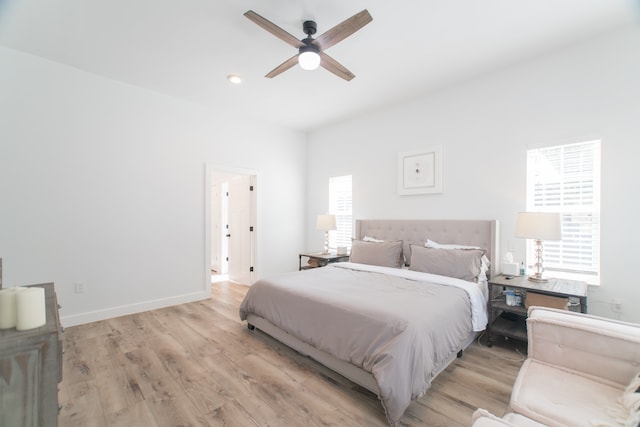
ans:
x=30 y=370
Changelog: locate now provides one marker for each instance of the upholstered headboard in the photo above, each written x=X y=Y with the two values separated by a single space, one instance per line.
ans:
x=482 y=233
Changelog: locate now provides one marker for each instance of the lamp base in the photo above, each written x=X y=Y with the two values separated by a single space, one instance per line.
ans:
x=326 y=243
x=538 y=279
x=537 y=276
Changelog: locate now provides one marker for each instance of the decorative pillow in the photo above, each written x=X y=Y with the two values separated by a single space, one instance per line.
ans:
x=385 y=254
x=627 y=411
x=462 y=264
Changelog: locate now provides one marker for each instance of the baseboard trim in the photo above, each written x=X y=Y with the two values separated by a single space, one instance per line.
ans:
x=109 y=313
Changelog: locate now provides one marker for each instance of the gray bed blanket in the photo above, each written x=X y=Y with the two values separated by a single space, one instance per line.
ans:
x=399 y=325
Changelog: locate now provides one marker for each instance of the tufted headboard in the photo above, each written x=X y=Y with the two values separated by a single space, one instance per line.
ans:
x=482 y=233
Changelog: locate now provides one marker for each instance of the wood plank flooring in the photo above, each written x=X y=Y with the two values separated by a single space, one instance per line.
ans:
x=198 y=365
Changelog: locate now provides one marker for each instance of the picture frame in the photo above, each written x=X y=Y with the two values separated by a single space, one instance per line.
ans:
x=420 y=171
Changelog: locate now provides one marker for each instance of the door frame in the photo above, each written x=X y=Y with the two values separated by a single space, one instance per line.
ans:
x=210 y=168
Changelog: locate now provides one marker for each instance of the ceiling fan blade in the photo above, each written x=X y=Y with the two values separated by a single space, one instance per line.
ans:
x=283 y=67
x=343 y=30
x=273 y=29
x=335 y=67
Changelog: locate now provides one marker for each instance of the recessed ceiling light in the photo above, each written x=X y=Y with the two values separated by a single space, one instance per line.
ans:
x=234 y=78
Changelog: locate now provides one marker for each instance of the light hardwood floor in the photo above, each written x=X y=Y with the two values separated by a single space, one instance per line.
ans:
x=198 y=365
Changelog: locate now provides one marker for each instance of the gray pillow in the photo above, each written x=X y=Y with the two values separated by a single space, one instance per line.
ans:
x=459 y=263
x=385 y=254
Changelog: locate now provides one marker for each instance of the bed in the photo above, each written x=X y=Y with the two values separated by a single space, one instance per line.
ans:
x=386 y=320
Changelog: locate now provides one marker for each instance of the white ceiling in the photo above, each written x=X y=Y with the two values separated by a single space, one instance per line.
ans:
x=186 y=48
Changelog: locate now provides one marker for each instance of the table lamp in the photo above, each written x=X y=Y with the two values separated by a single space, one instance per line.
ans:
x=326 y=222
x=539 y=226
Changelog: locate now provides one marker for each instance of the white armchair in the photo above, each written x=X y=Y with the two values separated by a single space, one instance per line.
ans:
x=576 y=373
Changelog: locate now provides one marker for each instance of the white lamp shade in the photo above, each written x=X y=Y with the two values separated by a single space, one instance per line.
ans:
x=326 y=222
x=539 y=226
x=309 y=60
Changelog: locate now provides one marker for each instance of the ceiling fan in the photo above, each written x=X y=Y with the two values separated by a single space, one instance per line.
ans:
x=311 y=51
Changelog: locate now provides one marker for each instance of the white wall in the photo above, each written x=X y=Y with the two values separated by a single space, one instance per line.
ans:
x=103 y=183
x=485 y=126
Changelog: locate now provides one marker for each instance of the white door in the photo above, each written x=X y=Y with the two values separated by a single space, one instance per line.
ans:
x=216 y=232
x=224 y=228
x=219 y=224
x=239 y=232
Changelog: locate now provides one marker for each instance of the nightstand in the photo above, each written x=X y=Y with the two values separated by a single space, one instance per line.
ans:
x=510 y=320
x=322 y=259
x=31 y=363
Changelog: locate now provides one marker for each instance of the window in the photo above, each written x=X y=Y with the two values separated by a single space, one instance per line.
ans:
x=566 y=179
x=340 y=206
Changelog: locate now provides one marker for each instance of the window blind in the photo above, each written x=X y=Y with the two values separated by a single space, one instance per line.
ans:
x=340 y=206
x=566 y=179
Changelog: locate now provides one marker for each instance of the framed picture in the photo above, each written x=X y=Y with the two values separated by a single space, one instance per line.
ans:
x=420 y=172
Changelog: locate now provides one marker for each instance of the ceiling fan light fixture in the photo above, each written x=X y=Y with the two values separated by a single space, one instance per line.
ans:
x=308 y=58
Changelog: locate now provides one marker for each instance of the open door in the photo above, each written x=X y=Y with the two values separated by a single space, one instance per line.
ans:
x=241 y=229
x=231 y=221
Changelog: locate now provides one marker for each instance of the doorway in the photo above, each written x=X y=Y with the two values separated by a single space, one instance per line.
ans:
x=232 y=216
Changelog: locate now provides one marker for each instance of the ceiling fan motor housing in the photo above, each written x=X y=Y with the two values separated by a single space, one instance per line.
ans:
x=308 y=47
x=309 y=27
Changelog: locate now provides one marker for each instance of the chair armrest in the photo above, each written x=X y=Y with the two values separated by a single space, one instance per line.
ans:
x=596 y=346
x=484 y=418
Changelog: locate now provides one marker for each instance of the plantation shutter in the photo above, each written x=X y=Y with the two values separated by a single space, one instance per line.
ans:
x=340 y=206
x=566 y=179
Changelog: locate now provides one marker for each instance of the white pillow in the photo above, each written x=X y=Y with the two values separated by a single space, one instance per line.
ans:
x=371 y=239
x=432 y=244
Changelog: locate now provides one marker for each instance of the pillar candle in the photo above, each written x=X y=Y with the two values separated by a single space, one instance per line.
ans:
x=30 y=308
x=8 y=309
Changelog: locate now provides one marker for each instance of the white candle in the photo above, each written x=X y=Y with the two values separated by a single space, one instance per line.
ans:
x=30 y=309
x=7 y=308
